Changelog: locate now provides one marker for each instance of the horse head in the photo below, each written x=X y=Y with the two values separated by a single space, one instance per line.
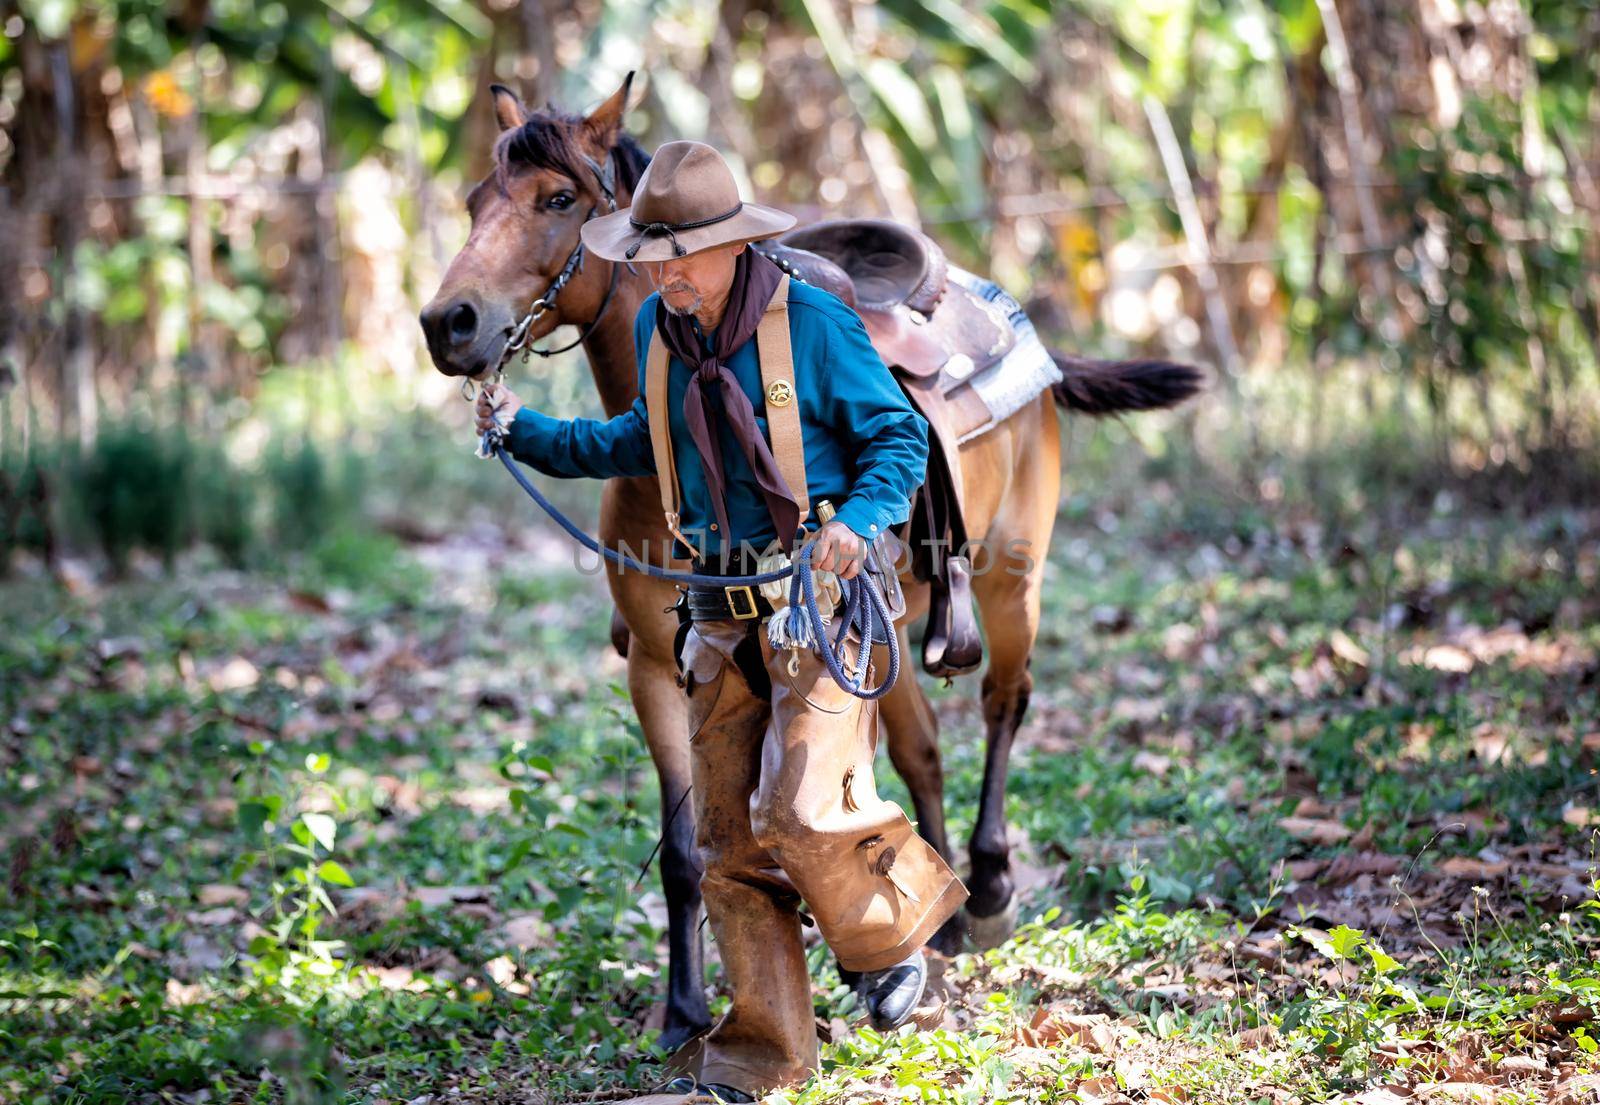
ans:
x=523 y=258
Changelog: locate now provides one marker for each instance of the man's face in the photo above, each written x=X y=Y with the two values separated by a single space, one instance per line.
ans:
x=687 y=283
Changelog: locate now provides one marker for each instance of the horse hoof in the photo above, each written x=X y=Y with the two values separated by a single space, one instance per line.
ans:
x=994 y=930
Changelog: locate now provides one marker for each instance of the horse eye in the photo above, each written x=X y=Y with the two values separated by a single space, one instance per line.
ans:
x=561 y=201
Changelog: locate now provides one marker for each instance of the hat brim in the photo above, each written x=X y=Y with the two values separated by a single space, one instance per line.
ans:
x=611 y=236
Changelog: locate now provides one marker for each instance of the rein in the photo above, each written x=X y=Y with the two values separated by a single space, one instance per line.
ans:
x=861 y=595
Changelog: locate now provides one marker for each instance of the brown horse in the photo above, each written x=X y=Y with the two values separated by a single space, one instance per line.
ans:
x=553 y=171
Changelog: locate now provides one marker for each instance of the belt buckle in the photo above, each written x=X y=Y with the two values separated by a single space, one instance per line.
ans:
x=733 y=589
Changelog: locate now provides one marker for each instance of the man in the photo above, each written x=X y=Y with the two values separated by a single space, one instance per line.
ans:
x=781 y=756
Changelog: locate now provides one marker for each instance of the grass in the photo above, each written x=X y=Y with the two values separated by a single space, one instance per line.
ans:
x=1305 y=807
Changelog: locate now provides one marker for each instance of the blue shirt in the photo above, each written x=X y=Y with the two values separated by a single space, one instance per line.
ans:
x=866 y=446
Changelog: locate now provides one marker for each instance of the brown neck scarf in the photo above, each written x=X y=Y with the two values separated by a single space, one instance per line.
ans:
x=755 y=278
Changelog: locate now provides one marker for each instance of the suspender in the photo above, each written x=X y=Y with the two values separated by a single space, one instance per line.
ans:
x=782 y=402
x=782 y=399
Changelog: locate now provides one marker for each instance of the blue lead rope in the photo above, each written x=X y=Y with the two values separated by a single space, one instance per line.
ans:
x=804 y=624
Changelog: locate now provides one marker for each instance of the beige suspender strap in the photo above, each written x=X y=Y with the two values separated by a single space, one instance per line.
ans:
x=655 y=401
x=782 y=398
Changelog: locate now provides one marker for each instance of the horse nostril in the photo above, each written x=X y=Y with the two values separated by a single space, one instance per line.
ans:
x=461 y=324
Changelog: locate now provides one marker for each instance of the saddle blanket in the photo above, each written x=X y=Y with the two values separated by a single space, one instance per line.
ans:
x=1017 y=378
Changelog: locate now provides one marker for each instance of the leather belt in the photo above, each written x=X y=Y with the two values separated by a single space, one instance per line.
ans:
x=734 y=602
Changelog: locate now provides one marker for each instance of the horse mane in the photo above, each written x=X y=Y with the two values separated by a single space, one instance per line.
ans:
x=548 y=139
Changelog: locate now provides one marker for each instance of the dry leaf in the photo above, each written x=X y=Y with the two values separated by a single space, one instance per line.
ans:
x=1347 y=650
x=236 y=675
x=1092 y=1033
x=1451 y=659
x=1153 y=762
x=1263 y=1036
x=1381 y=1095
x=222 y=915
x=450 y=895
x=1315 y=830
x=1582 y=1090
x=1100 y=1086
x=215 y=894
x=1465 y=867
x=1454 y=1091
x=183 y=993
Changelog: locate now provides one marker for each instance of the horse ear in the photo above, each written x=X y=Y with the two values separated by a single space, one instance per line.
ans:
x=604 y=124
x=508 y=107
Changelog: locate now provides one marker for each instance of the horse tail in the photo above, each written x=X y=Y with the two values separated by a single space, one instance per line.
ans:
x=1097 y=387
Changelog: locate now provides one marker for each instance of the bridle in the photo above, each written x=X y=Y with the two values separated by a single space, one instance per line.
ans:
x=517 y=342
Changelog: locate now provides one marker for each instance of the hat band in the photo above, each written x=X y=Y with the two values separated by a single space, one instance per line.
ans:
x=647 y=230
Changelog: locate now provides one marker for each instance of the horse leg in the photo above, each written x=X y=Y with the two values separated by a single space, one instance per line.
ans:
x=1008 y=588
x=912 y=729
x=661 y=707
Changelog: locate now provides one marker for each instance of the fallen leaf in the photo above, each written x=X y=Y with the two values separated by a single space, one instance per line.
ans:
x=527 y=930
x=215 y=894
x=1263 y=1036
x=450 y=895
x=1101 y=1086
x=236 y=675
x=1315 y=830
x=184 y=993
x=1092 y=1033
x=1582 y=1090
x=223 y=915
x=1347 y=650
x=1451 y=659
x=1454 y=1091
x=1523 y=1064
x=1152 y=762
x=1380 y=1095
x=1465 y=867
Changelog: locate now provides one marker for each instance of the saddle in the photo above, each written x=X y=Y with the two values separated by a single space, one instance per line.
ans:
x=941 y=331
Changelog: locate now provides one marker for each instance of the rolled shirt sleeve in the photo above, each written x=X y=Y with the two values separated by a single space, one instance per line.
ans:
x=889 y=438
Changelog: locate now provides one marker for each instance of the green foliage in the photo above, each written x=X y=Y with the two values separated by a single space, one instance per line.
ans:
x=297 y=855
x=25 y=496
x=132 y=490
x=224 y=502
x=304 y=504
x=417 y=731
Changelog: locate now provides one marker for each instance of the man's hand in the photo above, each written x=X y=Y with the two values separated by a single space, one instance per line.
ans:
x=838 y=548
x=493 y=400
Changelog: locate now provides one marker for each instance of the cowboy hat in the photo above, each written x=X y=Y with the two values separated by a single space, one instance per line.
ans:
x=686 y=201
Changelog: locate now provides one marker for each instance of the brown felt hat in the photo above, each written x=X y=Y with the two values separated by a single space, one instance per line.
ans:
x=686 y=201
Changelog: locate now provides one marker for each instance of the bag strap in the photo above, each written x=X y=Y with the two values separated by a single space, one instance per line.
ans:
x=782 y=398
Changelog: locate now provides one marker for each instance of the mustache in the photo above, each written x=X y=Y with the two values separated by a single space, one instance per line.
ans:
x=679 y=286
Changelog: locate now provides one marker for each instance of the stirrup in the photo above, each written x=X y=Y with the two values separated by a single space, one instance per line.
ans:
x=952 y=646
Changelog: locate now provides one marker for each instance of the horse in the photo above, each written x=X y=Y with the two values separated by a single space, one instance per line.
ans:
x=552 y=171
